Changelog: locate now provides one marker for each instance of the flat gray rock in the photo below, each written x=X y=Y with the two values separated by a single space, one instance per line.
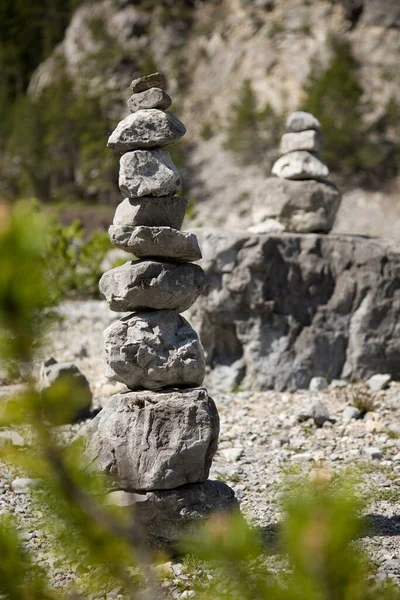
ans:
x=299 y=206
x=146 y=129
x=168 y=515
x=301 y=121
x=154 y=350
x=148 y=81
x=379 y=382
x=150 y=211
x=148 y=173
x=310 y=140
x=152 y=284
x=152 y=98
x=156 y=242
x=300 y=165
x=169 y=438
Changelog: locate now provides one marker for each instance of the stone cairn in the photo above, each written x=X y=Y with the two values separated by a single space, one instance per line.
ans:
x=158 y=438
x=300 y=198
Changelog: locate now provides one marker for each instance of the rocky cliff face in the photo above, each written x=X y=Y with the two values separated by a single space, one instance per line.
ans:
x=281 y=309
x=207 y=50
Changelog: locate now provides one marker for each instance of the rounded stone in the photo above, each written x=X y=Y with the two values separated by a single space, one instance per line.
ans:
x=150 y=211
x=148 y=173
x=300 y=165
x=169 y=438
x=152 y=284
x=146 y=129
x=163 y=242
x=154 y=350
x=152 y=98
x=301 y=121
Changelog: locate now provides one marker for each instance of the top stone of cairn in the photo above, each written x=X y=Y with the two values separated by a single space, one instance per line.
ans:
x=149 y=81
x=302 y=121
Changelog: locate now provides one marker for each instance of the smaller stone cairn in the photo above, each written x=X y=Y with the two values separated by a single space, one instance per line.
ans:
x=300 y=199
x=158 y=438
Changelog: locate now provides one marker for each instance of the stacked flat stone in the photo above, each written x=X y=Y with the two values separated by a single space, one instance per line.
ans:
x=301 y=200
x=158 y=438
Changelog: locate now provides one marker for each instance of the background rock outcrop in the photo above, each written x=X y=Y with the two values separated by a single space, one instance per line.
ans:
x=281 y=309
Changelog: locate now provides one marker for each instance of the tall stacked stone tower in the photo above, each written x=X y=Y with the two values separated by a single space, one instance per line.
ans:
x=158 y=438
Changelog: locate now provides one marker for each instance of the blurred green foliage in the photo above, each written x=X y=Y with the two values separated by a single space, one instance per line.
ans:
x=336 y=97
x=74 y=259
x=251 y=132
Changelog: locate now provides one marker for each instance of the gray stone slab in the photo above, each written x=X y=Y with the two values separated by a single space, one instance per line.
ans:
x=156 y=242
x=309 y=140
x=152 y=98
x=148 y=81
x=152 y=284
x=300 y=165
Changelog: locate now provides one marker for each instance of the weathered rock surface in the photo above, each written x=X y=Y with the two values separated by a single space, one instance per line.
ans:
x=142 y=84
x=149 y=211
x=289 y=307
x=152 y=284
x=300 y=165
x=167 y=515
x=156 y=242
x=154 y=350
x=55 y=376
x=301 y=121
x=148 y=173
x=170 y=438
x=303 y=140
x=146 y=129
x=300 y=206
x=152 y=98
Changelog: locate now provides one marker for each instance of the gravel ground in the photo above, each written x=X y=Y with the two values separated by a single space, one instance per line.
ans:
x=261 y=441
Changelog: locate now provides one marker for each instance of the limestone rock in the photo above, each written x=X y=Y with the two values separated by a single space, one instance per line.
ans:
x=167 y=515
x=151 y=98
x=303 y=140
x=152 y=284
x=300 y=206
x=148 y=173
x=300 y=165
x=149 y=211
x=146 y=129
x=148 y=81
x=379 y=382
x=293 y=306
x=154 y=350
x=156 y=242
x=301 y=121
x=55 y=375
x=169 y=438
x=318 y=384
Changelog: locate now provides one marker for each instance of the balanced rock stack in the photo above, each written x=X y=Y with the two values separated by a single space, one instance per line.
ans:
x=159 y=437
x=301 y=199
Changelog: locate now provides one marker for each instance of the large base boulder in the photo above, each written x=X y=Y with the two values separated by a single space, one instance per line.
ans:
x=299 y=206
x=153 y=350
x=167 y=516
x=282 y=309
x=170 y=438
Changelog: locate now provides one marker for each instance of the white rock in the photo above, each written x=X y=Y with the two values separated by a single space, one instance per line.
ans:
x=267 y=226
x=317 y=384
x=351 y=412
x=232 y=454
x=379 y=382
x=303 y=140
x=11 y=437
x=304 y=457
x=373 y=453
x=300 y=165
x=301 y=121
